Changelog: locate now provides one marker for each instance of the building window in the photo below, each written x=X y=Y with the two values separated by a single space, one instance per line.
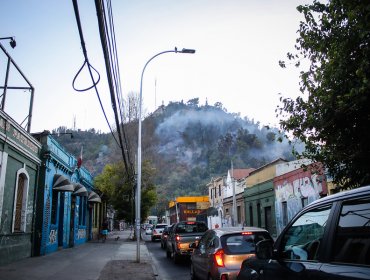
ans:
x=238 y=212
x=215 y=193
x=285 y=213
x=191 y=206
x=82 y=211
x=211 y=193
x=219 y=190
x=96 y=215
x=20 y=201
x=268 y=218
x=251 y=215
x=54 y=207
x=304 y=201
x=259 y=214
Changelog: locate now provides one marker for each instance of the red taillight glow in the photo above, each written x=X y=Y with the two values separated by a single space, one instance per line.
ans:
x=247 y=233
x=224 y=277
x=219 y=258
x=178 y=238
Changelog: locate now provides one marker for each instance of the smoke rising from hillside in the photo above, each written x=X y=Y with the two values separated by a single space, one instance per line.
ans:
x=189 y=133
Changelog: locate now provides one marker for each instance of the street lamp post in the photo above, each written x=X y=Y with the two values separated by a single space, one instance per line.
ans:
x=6 y=87
x=138 y=189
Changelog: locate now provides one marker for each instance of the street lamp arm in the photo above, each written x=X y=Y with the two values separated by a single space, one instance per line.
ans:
x=142 y=73
x=191 y=51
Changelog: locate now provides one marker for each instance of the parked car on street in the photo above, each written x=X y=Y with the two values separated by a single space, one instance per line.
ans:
x=157 y=231
x=328 y=239
x=149 y=229
x=164 y=236
x=220 y=252
x=181 y=236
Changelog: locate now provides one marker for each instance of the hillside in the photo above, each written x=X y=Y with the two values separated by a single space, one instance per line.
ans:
x=187 y=145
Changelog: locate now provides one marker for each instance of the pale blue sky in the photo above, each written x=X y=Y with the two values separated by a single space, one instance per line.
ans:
x=238 y=43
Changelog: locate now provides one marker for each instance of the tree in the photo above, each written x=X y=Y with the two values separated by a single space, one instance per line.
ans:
x=132 y=107
x=193 y=102
x=332 y=115
x=114 y=184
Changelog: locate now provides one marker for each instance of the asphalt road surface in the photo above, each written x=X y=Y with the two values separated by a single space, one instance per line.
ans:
x=166 y=268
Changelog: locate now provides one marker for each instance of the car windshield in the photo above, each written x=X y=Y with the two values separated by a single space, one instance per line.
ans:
x=191 y=227
x=242 y=243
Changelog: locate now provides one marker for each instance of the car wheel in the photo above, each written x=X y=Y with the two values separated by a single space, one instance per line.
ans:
x=153 y=239
x=176 y=258
x=162 y=245
x=168 y=254
x=193 y=276
x=210 y=277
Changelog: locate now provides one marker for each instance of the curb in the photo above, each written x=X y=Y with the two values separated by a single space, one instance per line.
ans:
x=155 y=271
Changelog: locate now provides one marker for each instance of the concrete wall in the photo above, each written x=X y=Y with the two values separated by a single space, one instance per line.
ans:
x=262 y=174
x=228 y=210
x=294 y=190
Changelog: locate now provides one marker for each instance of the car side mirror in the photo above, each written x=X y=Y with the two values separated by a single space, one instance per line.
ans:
x=193 y=245
x=264 y=249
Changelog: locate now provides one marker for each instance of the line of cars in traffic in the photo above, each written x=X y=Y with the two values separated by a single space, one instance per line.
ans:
x=328 y=239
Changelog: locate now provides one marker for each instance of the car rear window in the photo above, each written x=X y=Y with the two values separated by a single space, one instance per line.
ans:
x=242 y=243
x=160 y=226
x=190 y=227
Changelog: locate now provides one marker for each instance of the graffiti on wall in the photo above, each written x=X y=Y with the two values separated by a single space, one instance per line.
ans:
x=293 y=193
x=308 y=187
x=81 y=233
x=53 y=236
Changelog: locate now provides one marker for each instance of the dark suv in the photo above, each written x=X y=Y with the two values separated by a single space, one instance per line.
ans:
x=328 y=239
x=181 y=236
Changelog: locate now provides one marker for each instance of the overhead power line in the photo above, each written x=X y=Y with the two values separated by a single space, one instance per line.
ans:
x=89 y=66
x=108 y=41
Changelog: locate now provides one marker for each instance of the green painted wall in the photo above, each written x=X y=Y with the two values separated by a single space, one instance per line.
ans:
x=264 y=195
x=15 y=246
x=21 y=151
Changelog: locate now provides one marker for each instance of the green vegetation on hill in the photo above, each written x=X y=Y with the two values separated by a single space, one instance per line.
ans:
x=186 y=144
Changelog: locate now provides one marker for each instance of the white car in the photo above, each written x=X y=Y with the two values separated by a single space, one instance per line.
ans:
x=148 y=229
x=157 y=231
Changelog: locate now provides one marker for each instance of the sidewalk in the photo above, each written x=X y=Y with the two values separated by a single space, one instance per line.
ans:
x=112 y=260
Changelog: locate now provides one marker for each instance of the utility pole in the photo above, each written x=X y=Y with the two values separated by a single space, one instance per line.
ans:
x=177 y=212
x=235 y=219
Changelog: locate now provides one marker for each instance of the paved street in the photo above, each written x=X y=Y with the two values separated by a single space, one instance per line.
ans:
x=114 y=259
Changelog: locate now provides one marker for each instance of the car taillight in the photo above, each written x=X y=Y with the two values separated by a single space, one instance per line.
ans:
x=177 y=238
x=219 y=258
x=224 y=277
x=154 y=231
x=247 y=233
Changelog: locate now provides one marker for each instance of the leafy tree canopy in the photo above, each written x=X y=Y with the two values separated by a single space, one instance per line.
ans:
x=332 y=115
x=118 y=190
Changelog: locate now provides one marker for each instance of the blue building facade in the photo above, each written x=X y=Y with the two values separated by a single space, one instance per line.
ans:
x=65 y=200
